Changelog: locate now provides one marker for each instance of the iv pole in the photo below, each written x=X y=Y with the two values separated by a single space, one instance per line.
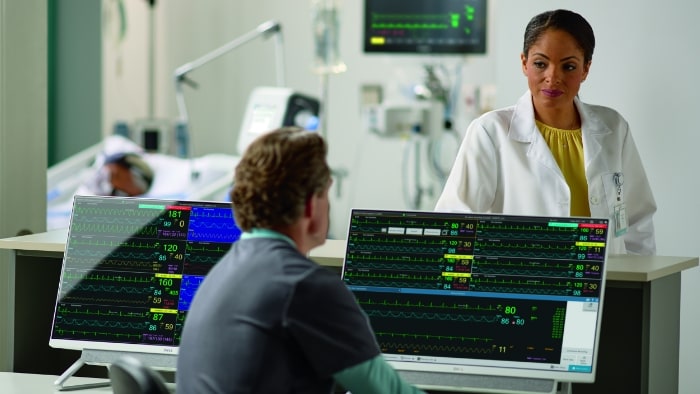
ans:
x=265 y=29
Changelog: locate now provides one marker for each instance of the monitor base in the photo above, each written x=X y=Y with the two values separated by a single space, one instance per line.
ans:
x=161 y=362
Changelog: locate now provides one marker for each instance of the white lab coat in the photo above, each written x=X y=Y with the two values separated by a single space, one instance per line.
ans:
x=505 y=166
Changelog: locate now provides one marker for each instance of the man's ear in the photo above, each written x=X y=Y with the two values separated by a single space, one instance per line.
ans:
x=310 y=206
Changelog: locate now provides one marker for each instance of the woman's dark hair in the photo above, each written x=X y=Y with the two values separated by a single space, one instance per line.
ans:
x=565 y=20
x=278 y=172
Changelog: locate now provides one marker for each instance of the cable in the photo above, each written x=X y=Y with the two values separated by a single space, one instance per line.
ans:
x=435 y=153
x=412 y=145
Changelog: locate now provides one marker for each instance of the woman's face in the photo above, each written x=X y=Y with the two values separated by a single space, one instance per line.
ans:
x=554 y=68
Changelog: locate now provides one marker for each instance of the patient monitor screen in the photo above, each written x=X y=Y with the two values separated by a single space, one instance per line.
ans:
x=425 y=26
x=455 y=292
x=131 y=268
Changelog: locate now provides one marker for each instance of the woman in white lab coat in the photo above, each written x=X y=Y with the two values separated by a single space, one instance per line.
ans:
x=551 y=154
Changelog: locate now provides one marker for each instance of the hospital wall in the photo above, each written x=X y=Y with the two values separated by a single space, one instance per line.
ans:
x=643 y=66
x=23 y=123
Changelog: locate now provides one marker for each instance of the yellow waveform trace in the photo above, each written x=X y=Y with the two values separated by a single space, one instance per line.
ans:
x=591 y=244
x=457 y=274
x=459 y=256
x=160 y=310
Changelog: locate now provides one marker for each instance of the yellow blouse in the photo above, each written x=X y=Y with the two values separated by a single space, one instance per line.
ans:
x=567 y=148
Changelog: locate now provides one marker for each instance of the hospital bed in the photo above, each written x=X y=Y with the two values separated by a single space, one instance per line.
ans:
x=208 y=177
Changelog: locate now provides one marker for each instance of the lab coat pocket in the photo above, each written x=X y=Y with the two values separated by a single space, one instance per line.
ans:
x=602 y=194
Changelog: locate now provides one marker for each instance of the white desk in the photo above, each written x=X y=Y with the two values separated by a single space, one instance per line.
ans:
x=638 y=348
x=26 y=383
x=30 y=383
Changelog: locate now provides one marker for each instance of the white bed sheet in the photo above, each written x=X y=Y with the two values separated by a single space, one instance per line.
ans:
x=208 y=177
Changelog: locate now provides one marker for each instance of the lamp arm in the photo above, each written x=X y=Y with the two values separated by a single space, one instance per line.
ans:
x=269 y=27
x=265 y=28
x=180 y=75
x=180 y=100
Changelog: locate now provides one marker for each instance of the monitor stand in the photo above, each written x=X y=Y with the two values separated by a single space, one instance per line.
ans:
x=472 y=383
x=164 y=362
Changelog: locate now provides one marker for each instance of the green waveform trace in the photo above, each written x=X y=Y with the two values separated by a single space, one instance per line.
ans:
x=392 y=276
x=64 y=332
x=115 y=244
x=432 y=336
x=420 y=304
x=393 y=258
x=98 y=312
x=72 y=275
x=410 y=26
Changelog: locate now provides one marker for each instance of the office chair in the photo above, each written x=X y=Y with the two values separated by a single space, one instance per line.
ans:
x=128 y=375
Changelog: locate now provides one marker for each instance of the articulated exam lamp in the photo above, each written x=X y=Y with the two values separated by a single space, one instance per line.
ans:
x=264 y=30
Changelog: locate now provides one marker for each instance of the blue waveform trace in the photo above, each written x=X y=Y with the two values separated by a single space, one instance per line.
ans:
x=229 y=236
x=188 y=288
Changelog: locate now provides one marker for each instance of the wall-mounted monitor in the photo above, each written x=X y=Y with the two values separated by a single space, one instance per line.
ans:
x=131 y=268
x=425 y=26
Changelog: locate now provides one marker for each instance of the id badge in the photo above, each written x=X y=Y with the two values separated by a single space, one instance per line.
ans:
x=620 y=219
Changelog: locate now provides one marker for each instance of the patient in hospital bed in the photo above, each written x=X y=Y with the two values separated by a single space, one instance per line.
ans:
x=121 y=167
x=123 y=174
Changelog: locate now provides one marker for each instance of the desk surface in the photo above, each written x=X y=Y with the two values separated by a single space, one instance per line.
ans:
x=629 y=268
x=23 y=383
x=51 y=241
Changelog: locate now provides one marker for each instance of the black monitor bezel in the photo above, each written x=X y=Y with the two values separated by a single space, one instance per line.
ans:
x=427 y=49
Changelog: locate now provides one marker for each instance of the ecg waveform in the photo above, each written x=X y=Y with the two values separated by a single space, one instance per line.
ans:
x=120 y=220
x=188 y=288
x=531 y=257
x=200 y=257
x=420 y=324
x=474 y=286
x=135 y=230
x=89 y=213
x=214 y=235
x=528 y=231
x=414 y=26
x=213 y=225
x=135 y=289
x=132 y=267
x=112 y=243
x=531 y=267
x=113 y=323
